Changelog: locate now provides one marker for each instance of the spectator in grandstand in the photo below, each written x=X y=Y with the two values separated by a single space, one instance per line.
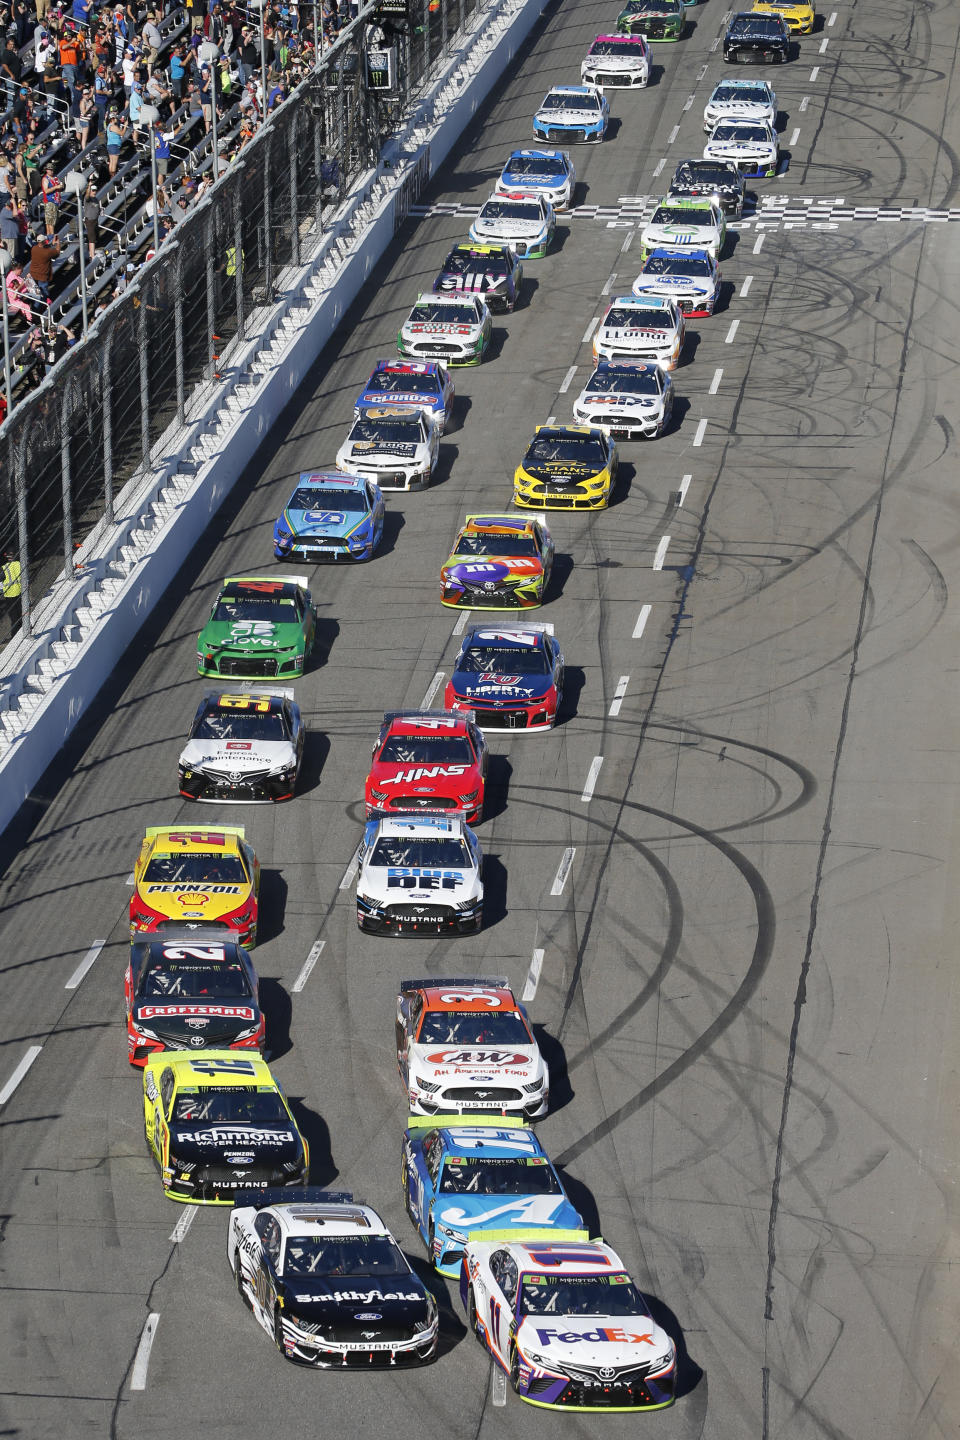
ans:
x=247 y=56
x=10 y=227
x=116 y=133
x=42 y=255
x=91 y=218
x=11 y=68
x=102 y=92
x=16 y=292
x=87 y=117
x=158 y=94
x=134 y=108
x=52 y=190
x=81 y=11
x=177 y=72
x=71 y=56
x=152 y=40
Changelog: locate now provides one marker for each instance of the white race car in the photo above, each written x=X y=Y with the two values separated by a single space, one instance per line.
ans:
x=626 y=399
x=572 y=112
x=741 y=100
x=685 y=225
x=563 y=1318
x=466 y=1045
x=616 y=61
x=452 y=328
x=243 y=746
x=751 y=145
x=691 y=278
x=524 y=222
x=327 y=1281
x=394 y=446
x=549 y=173
x=640 y=327
x=419 y=875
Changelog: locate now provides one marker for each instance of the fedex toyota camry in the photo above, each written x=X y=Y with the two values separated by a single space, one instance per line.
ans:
x=419 y=875
x=691 y=278
x=511 y=677
x=626 y=399
x=549 y=173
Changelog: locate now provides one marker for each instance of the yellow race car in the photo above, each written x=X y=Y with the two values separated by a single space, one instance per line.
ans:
x=566 y=467
x=185 y=879
x=216 y=1124
x=798 y=14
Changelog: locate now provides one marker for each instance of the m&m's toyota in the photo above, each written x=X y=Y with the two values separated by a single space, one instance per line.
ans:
x=191 y=992
x=190 y=879
x=563 y=1318
x=511 y=677
x=428 y=760
x=499 y=562
x=466 y=1045
x=419 y=875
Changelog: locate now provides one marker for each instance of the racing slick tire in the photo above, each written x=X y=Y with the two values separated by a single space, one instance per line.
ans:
x=278 y=1332
x=238 y=1277
x=514 y=1368
x=472 y=1325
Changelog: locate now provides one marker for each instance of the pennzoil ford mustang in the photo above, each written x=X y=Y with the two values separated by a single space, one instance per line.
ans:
x=462 y=1175
x=577 y=113
x=187 y=879
x=261 y=626
x=691 y=278
x=656 y=19
x=626 y=399
x=562 y=1317
x=566 y=467
x=330 y=516
x=499 y=562
x=511 y=677
x=419 y=875
x=409 y=385
x=491 y=271
x=524 y=222
x=243 y=746
x=616 y=61
x=216 y=1123
x=453 y=328
x=549 y=173
x=428 y=760
x=751 y=146
x=327 y=1281
x=397 y=448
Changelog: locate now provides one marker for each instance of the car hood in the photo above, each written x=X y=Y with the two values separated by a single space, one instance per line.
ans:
x=478 y=1063
x=631 y=335
x=237 y=756
x=193 y=902
x=407 y=399
x=533 y=182
x=441 y=327
x=197 y=1024
x=678 y=235
x=235 y=1144
x=569 y=115
x=362 y=450
x=620 y=402
x=269 y=636
x=418 y=883
x=424 y=779
x=674 y=285
x=505 y=226
x=399 y=1300
x=326 y=524
x=490 y=685
x=481 y=573
x=475 y=282
x=612 y=1341
x=721 y=148
x=738 y=108
x=498 y=1212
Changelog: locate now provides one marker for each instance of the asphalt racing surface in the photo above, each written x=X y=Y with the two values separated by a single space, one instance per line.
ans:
x=747 y=986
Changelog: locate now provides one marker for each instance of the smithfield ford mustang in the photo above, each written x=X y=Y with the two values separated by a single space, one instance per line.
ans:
x=216 y=1124
x=491 y=271
x=330 y=516
x=641 y=327
x=261 y=626
x=691 y=278
x=243 y=746
x=463 y=1175
x=398 y=448
x=656 y=19
x=510 y=676
x=616 y=62
x=452 y=328
x=524 y=222
x=572 y=112
x=465 y=1044
x=187 y=879
x=563 y=1318
x=409 y=385
x=419 y=875
x=327 y=1281
x=549 y=173
x=499 y=562
x=685 y=225
x=428 y=760
x=625 y=399
x=566 y=467
x=752 y=147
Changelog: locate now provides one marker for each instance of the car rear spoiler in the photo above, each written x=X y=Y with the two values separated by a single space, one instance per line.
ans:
x=290 y=1195
x=475 y=982
x=508 y=628
x=152 y=831
x=213 y=934
x=251 y=690
x=447 y=1122
x=276 y=579
x=522 y=1233
x=391 y=715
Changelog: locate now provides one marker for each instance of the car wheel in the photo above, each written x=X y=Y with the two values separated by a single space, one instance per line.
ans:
x=238 y=1277
x=278 y=1332
x=514 y=1368
x=472 y=1324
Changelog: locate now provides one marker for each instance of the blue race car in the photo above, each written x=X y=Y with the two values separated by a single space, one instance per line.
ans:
x=572 y=112
x=549 y=173
x=462 y=1175
x=409 y=385
x=510 y=676
x=330 y=516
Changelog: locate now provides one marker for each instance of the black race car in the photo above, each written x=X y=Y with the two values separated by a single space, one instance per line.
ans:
x=491 y=271
x=244 y=746
x=756 y=39
x=719 y=179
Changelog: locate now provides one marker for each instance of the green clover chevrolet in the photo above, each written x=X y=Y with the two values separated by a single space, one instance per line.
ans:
x=262 y=625
x=656 y=19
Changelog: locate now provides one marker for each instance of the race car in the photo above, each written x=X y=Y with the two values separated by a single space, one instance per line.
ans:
x=563 y=1318
x=685 y=225
x=716 y=180
x=191 y=992
x=750 y=146
x=626 y=400
x=428 y=760
x=577 y=113
x=454 y=328
x=549 y=173
x=327 y=1281
x=243 y=747
x=741 y=100
x=330 y=516
x=656 y=19
x=190 y=879
x=511 y=677
x=566 y=467
x=756 y=39
x=641 y=327
x=798 y=14
x=499 y=562
x=396 y=447
x=465 y=1044
x=616 y=62
x=491 y=271
x=470 y=1174
x=216 y=1124
x=419 y=875
x=526 y=223
x=691 y=278
x=409 y=385
x=261 y=626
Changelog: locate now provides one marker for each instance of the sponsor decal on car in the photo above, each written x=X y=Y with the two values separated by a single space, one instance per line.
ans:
x=477 y=1057
x=231 y=1012
x=424 y=772
x=602 y=1335
x=224 y=1134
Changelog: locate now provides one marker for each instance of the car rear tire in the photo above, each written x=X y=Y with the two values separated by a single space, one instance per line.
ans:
x=514 y=1368
x=238 y=1277
x=278 y=1332
x=472 y=1315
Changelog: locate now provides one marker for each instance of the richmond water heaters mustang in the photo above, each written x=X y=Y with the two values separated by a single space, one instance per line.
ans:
x=428 y=760
x=510 y=677
x=243 y=746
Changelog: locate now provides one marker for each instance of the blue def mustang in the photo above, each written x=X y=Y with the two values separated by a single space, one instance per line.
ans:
x=330 y=516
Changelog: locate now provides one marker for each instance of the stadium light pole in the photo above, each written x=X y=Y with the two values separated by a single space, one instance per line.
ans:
x=261 y=5
x=210 y=55
x=149 y=114
x=76 y=186
x=6 y=260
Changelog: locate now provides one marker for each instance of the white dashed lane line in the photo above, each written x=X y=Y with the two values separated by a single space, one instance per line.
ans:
x=627 y=241
x=568 y=380
x=618 y=695
x=832 y=21
x=823 y=44
x=661 y=555
x=432 y=689
x=179 y=1231
x=19 y=1073
x=498 y=1386
x=138 y=1375
x=85 y=965
x=814 y=72
x=734 y=327
x=701 y=431
x=795 y=137
x=349 y=875
x=588 y=333
x=688 y=102
x=316 y=950
x=745 y=287
x=659 y=166
x=461 y=624
x=563 y=870
x=715 y=382
x=673 y=134
x=533 y=977
x=642 y=619
x=684 y=487
x=592 y=776
x=758 y=244
x=804 y=103
x=608 y=287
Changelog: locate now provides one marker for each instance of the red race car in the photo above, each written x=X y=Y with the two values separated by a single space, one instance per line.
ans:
x=428 y=760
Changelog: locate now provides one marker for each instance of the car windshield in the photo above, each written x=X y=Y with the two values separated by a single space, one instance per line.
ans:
x=240 y=725
x=636 y=319
x=566 y=449
x=459 y=264
x=570 y=102
x=199 y=868
x=425 y=750
x=385 y=382
x=627 y=48
x=321 y=500
x=704 y=173
x=756 y=134
x=750 y=94
x=496 y=545
x=685 y=219
x=765 y=25
x=336 y=1255
x=500 y=661
x=621 y=382
x=275 y=609
x=446 y=314
x=478 y=1175
x=378 y=432
x=511 y=210
x=186 y=980
x=244 y=1106
x=534 y=165
x=698 y=265
x=580 y=1295
x=473 y=1027
x=652 y=7
x=441 y=853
